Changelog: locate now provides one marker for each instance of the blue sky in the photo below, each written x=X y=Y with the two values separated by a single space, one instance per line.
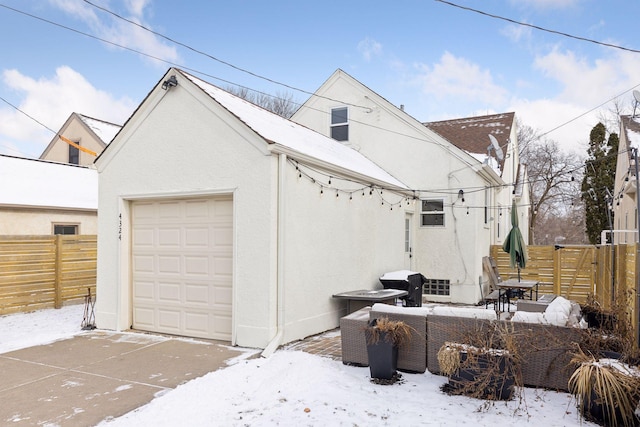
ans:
x=438 y=60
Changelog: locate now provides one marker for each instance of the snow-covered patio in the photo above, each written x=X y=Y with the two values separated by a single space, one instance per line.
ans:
x=294 y=387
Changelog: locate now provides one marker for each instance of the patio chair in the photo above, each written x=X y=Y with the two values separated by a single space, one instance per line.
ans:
x=354 y=344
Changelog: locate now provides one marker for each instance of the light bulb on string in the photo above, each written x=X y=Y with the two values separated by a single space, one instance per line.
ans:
x=329 y=180
x=350 y=196
x=321 y=190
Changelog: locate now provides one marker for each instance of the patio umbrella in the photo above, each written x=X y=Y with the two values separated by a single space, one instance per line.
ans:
x=514 y=243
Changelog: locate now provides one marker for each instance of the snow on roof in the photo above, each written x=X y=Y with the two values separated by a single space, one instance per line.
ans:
x=632 y=130
x=37 y=183
x=104 y=130
x=276 y=129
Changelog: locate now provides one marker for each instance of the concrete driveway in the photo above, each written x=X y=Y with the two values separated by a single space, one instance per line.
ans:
x=99 y=375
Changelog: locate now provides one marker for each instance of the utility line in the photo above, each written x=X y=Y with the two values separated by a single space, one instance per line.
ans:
x=560 y=33
x=228 y=64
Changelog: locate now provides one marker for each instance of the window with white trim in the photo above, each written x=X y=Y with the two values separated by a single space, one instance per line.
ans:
x=432 y=213
x=340 y=124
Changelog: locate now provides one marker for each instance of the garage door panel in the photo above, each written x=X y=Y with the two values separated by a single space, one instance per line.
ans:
x=144 y=290
x=144 y=237
x=182 y=267
x=197 y=209
x=169 y=264
x=197 y=237
x=197 y=294
x=144 y=317
x=168 y=210
x=169 y=292
x=197 y=266
x=143 y=264
x=223 y=236
x=170 y=238
x=197 y=323
x=169 y=320
x=223 y=266
x=222 y=295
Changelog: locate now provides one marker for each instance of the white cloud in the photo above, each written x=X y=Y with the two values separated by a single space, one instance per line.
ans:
x=369 y=48
x=516 y=33
x=456 y=77
x=586 y=82
x=118 y=31
x=51 y=101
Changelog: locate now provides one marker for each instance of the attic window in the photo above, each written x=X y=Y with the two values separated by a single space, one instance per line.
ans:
x=340 y=124
x=74 y=155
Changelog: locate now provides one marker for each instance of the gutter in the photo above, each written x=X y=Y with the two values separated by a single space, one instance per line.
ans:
x=277 y=339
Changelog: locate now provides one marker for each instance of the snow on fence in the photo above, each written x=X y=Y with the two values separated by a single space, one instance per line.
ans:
x=39 y=272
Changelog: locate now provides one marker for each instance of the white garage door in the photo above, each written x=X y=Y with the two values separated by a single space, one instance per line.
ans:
x=182 y=256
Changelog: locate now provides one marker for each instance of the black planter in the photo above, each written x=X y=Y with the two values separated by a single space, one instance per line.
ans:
x=599 y=320
x=600 y=414
x=485 y=376
x=383 y=355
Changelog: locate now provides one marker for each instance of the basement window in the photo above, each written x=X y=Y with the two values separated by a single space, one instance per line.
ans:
x=436 y=287
x=65 y=229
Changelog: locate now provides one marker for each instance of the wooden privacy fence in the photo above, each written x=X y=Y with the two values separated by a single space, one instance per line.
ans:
x=576 y=272
x=39 y=272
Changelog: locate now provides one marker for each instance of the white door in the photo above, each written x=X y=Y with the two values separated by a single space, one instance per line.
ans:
x=182 y=257
x=408 y=241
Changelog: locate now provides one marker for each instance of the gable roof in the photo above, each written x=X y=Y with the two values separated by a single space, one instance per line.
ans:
x=294 y=138
x=44 y=184
x=471 y=134
x=631 y=128
x=104 y=131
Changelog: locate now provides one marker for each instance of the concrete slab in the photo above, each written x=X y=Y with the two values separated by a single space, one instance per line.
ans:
x=99 y=375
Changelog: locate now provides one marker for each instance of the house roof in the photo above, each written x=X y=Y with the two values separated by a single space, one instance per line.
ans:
x=631 y=129
x=275 y=129
x=103 y=130
x=471 y=134
x=44 y=184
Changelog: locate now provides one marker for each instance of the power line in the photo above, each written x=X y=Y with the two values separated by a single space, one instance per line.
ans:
x=560 y=33
x=235 y=67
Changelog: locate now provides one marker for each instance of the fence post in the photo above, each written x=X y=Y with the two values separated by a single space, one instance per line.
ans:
x=58 y=281
x=557 y=276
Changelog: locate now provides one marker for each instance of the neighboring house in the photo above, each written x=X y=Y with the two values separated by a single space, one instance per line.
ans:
x=39 y=197
x=625 y=188
x=88 y=136
x=219 y=219
x=471 y=134
x=464 y=192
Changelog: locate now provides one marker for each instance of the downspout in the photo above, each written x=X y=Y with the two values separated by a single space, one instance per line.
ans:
x=277 y=339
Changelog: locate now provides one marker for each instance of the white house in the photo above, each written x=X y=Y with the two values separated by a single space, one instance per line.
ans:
x=84 y=139
x=625 y=188
x=464 y=188
x=39 y=197
x=219 y=219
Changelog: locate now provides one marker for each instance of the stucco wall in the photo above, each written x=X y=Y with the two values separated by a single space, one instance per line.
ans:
x=185 y=148
x=422 y=161
x=40 y=222
x=332 y=245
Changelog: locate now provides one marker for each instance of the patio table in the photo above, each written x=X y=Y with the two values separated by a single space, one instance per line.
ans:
x=514 y=284
x=364 y=297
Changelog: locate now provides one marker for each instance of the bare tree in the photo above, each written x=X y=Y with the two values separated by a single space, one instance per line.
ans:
x=281 y=104
x=554 y=178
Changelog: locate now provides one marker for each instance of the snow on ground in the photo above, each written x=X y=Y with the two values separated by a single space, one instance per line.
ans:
x=293 y=388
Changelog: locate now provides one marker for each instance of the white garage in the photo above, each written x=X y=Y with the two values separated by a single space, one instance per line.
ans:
x=182 y=258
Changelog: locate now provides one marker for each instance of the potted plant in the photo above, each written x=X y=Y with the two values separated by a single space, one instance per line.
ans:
x=483 y=373
x=596 y=316
x=483 y=363
x=384 y=337
x=606 y=390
